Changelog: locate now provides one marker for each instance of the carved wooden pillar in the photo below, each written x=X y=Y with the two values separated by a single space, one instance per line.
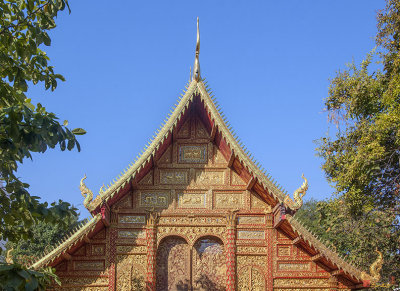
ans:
x=151 y=252
x=231 y=252
x=112 y=258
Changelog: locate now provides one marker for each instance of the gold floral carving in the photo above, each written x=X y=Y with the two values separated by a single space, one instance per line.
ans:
x=166 y=157
x=251 y=250
x=294 y=266
x=174 y=177
x=282 y=236
x=302 y=289
x=236 y=180
x=147 y=180
x=81 y=251
x=130 y=272
x=218 y=156
x=124 y=203
x=250 y=278
x=135 y=234
x=191 y=233
x=204 y=177
x=88 y=265
x=154 y=199
x=193 y=154
x=251 y=260
x=131 y=249
x=258 y=203
x=192 y=200
x=251 y=220
x=201 y=132
x=224 y=200
x=251 y=234
x=132 y=219
x=192 y=220
x=283 y=251
x=303 y=282
x=98 y=250
x=184 y=131
x=83 y=281
x=100 y=235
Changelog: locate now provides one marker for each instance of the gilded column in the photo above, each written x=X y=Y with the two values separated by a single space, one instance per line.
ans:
x=151 y=252
x=231 y=252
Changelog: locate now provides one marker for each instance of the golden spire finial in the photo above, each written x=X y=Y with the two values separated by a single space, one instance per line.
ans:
x=196 y=67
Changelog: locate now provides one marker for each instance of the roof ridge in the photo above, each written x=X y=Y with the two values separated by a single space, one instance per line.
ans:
x=150 y=148
x=70 y=239
x=326 y=251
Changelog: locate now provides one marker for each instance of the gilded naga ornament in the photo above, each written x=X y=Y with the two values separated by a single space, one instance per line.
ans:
x=86 y=192
x=297 y=196
x=374 y=270
x=9 y=259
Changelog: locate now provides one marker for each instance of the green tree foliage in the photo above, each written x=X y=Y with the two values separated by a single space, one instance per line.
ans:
x=362 y=161
x=354 y=238
x=42 y=238
x=26 y=127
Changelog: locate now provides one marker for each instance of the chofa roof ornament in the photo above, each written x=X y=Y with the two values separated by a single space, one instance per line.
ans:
x=86 y=192
x=196 y=67
x=374 y=270
x=297 y=196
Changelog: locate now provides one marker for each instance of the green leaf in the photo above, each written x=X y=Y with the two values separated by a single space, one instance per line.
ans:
x=78 y=131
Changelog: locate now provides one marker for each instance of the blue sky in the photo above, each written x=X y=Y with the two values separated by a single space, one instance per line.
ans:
x=126 y=62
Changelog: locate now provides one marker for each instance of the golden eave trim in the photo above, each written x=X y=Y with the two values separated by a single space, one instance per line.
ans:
x=323 y=249
x=68 y=243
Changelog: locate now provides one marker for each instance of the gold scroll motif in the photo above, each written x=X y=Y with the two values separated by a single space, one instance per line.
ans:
x=191 y=233
x=81 y=251
x=223 y=200
x=166 y=157
x=130 y=272
x=124 y=203
x=192 y=154
x=83 y=281
x=98 y=250
x=283 y=251
x=236 y=180
x=135 y=234
x=132 y=219
x=131 y=249
x=303 y=282
x=294 y=266
x=192 y=220
x=251 y=250
x=192 y=200
x=251 y=260
x=147 y=180
x=154 y=199
x=258 y=203
x=184 y=131
x=201 y=132
x=218 y=156
x=251 y=234
x=179 y=177
x=209 y=177
x=88 y=265
x=251 y=220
